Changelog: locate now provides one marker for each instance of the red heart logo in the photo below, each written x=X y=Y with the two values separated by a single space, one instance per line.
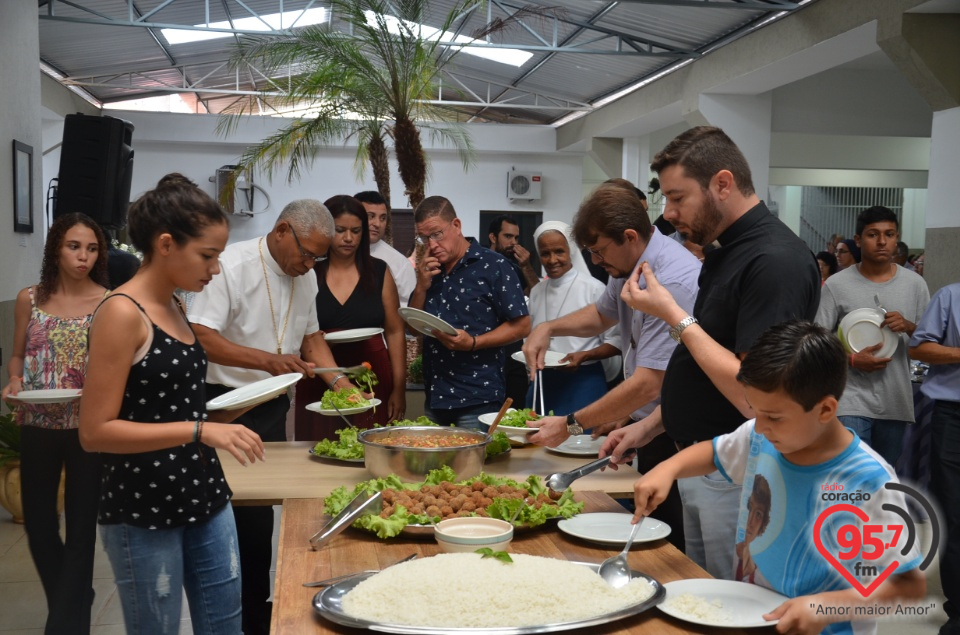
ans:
x=862 y=515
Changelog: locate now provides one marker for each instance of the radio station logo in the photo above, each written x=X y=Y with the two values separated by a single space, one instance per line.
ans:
x=860 y=547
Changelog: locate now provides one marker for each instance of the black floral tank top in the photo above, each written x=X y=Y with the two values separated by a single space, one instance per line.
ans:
x=176 y=486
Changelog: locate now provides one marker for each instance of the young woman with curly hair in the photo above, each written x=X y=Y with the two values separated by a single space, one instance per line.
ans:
x=50 y=352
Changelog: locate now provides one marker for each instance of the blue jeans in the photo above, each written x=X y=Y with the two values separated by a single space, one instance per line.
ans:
x=885 y=436
x=711 y=505
x=461 y=417
x=152 y=567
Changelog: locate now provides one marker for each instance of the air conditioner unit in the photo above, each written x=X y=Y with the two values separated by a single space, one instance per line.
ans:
x=523 y=185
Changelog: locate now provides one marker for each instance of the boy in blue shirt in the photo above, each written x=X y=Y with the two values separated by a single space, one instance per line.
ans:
x=795 y=461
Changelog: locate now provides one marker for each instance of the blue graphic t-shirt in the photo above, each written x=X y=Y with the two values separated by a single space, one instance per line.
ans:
x=479 y=294
x=780 y=507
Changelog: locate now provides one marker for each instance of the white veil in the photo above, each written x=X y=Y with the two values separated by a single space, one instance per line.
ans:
x=576 y=258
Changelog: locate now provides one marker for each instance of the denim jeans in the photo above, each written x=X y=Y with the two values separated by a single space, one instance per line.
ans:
x=152 y=567
x=945 y=484
x=885 y=436
x=461 y=417
x=65 y=567
x=711 y=505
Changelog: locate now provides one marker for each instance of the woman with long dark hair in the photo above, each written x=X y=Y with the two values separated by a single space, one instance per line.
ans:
x=50 y=352
x=356 y=291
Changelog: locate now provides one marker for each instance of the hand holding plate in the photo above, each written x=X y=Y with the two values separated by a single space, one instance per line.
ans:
x=552 y=431
x=462 y=341
x=867 y=362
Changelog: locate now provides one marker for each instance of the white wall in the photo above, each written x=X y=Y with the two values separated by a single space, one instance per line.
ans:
x=20 y=254
x=188 y=144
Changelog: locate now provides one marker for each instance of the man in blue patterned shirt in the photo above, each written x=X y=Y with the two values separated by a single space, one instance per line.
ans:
x=476 y=291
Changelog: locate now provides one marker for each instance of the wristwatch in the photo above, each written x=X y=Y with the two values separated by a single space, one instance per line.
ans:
x=573 y=426
x=678 y=329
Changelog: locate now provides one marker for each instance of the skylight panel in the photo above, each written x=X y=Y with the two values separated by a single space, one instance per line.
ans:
x=512 y=57
x=270 y=22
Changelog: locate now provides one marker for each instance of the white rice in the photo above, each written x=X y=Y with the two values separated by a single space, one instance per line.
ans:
x=464 y=590
x=696 y=607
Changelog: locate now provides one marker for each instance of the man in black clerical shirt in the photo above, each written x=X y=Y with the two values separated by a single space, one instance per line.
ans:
x=762 y=274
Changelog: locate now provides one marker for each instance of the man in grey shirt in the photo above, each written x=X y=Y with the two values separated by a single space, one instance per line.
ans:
x=878 y=400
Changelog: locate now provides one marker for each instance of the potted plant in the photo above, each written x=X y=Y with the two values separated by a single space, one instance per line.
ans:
x=10 y=467
x=10 y=498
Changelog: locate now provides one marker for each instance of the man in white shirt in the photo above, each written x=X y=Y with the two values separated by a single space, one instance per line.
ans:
x=258 y=318
x=377 y=218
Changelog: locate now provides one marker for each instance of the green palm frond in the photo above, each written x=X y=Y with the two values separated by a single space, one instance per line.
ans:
x=372 y=69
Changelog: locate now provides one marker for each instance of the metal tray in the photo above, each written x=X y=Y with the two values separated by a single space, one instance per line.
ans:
x=328 y=604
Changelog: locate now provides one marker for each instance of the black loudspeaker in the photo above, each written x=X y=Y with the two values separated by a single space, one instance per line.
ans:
x=96 y=167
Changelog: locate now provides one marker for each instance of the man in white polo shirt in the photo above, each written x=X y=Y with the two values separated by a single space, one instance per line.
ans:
x=256 y=319
x=400 y=268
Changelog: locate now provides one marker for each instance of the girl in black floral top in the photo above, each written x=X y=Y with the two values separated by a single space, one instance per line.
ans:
x=165 y=517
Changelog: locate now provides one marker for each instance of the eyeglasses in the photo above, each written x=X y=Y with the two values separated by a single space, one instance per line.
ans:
x=843 y=251
x=304 y=254
x=436 y=236
x=599 y=252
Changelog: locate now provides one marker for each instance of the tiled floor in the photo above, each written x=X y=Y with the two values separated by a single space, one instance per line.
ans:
x=23 y=608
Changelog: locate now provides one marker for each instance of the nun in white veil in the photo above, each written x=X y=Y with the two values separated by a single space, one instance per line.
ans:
x=568 y=288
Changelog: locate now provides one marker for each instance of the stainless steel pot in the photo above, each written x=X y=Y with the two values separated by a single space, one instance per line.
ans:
x=412 y=464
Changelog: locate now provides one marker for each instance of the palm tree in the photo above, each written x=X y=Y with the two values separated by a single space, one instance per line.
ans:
x=372 y=81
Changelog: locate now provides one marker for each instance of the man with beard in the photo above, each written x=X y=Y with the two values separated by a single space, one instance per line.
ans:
x=612 y=221
x=504 y=236
x=760 y=275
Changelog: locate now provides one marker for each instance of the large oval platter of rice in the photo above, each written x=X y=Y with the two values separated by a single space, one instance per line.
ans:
x=507 y=597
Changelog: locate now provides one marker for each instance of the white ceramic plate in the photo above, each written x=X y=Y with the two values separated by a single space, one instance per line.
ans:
x=551 y=359
x=330 y=412
x=50 y=395
x=612 y=528
x=515 y=434
x=255 y=393
x=861 y=328
x=424 y=322
x=579 y=445
x=745 y=604
x=351 y=335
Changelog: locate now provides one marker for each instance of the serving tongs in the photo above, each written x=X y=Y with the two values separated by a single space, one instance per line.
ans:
x=361 y=503
x=560 y=481
x=349 y=371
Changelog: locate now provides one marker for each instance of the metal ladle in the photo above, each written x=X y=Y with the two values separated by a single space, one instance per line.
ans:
x=616 y=570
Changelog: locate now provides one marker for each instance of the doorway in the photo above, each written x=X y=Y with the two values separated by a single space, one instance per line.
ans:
x=528 y=222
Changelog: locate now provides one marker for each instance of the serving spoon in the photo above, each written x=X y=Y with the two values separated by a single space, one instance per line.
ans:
x=615 y=570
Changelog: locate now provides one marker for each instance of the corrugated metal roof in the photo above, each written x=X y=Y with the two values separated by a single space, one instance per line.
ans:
x=582 y=50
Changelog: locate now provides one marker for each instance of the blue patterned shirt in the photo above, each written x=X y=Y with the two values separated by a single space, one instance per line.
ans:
x=478 y=295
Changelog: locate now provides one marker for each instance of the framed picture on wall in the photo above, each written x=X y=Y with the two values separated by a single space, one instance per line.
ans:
x=22 y=188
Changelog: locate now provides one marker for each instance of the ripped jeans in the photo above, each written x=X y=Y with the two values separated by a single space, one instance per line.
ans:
x=153 y=567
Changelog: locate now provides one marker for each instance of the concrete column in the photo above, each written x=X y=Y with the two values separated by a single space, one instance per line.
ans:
x=746 y=119
x=636 y=165
x=942 y=249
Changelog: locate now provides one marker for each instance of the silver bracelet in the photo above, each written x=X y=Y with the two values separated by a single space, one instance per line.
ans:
x=336 y=379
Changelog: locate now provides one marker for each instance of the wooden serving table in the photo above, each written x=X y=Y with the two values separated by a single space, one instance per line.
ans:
x=291 y=472
x=356 y=550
